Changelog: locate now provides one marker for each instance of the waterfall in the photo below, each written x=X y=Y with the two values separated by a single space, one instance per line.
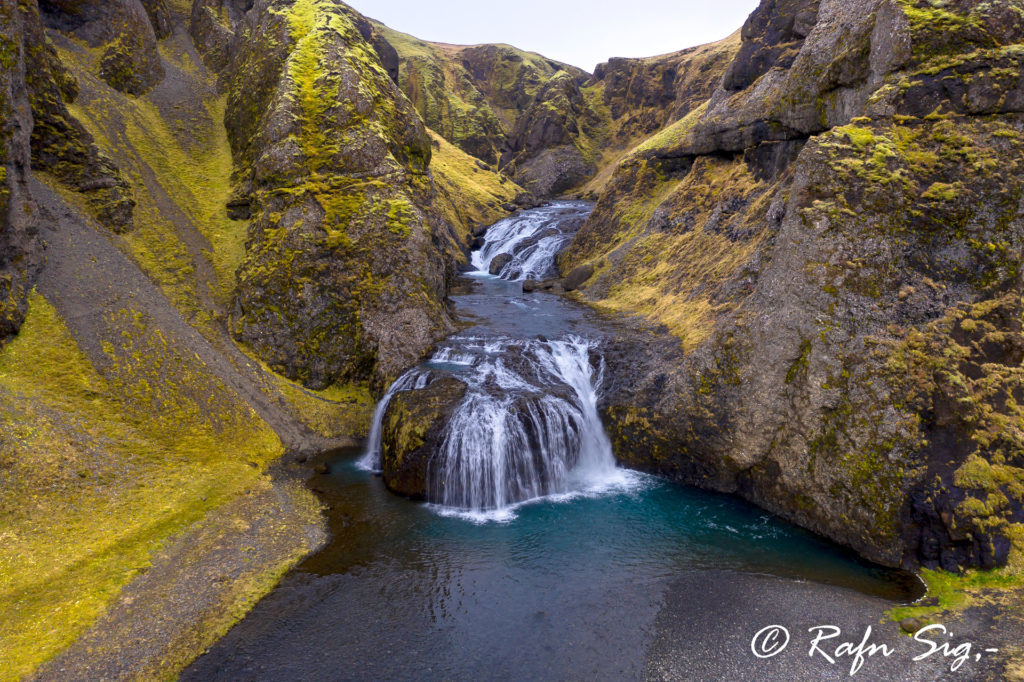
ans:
x=415 y=378
x=532 y=239
x=527 y=427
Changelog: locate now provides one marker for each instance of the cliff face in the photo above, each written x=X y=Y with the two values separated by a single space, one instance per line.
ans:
x=835 y=240
x=642 y=96
x=348 y=258
x=40 y=133
x=515 y=110
x=20 y=247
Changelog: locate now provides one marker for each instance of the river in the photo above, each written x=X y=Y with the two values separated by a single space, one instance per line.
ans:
x=538 y=557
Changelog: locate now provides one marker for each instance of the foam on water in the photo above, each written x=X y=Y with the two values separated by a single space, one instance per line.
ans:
x=533 y=239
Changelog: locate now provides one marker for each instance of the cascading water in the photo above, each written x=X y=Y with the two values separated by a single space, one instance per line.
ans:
x=525 y=429
x=527 y=426
x=532 y=240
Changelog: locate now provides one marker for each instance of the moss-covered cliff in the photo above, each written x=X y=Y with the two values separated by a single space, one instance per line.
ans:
x=225 y=223
x=815 y=236
x=152 y=214
x=511 y=109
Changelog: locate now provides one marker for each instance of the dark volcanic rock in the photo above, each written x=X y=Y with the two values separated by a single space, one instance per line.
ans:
x=348 y=262
x=20 y=248
x=772 y=37
x=385 y=52
x=130 y=60
x=644 y=95
x=498 y=262
x=579 y=275
x=159 y=17
x=413 y=427
x=37 y=130
x=212 y=27
x=504 y=106
x=60 y=144
x=821 y=254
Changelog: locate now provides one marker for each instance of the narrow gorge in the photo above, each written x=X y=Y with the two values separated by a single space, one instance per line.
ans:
x=333 y=352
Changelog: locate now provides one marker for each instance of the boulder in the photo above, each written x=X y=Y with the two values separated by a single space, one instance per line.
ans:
x=579 y=275
x=412 y=430
x=499 y=262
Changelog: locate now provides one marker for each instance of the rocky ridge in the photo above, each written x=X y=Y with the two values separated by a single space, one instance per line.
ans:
x=815 y=235
x=824 y=215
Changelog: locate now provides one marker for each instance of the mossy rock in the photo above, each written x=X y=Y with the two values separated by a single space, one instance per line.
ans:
x=413 y=428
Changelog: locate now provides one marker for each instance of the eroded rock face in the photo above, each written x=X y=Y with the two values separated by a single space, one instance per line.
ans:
x=818 y=239
x=130 y=61
x=159 y=17
x=644 y=95
x=20 y=247
x=348 y=262
x=772 y=38
x=413 y=429
x=60 y=144
x=212 y=27
x=39 y=132
x=504 y=106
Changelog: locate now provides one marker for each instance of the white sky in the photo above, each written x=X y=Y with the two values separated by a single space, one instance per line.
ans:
x=579 y=33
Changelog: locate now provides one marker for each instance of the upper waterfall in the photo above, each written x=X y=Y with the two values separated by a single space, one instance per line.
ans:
x=530 y=240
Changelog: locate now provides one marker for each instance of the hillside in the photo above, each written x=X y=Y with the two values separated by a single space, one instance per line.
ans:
x=226 y=227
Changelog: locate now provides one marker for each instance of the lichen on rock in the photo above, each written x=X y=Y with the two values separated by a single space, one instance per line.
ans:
x=848 y=194
x=348 y=261
x=123 y=29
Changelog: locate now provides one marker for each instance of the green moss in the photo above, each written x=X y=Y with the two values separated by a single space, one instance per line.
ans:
x=151 y=471
x=671 y=136
x=468 y=195
x=956 y=592
x=799 y=366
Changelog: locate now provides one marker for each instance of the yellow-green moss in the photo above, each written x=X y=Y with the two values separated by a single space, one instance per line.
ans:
x=467 y=194
x=97 y=478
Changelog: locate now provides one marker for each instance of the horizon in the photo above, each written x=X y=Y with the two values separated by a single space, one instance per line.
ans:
x=652 y=27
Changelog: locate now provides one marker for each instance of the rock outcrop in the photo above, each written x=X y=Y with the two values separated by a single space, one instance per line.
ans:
x=130 y=61
x=20 y=247
x=644 y=95
x=39 y=132
x=348 y=261
x=835 y=237
x=512 y=109
x=413 y=427
x=543 y=123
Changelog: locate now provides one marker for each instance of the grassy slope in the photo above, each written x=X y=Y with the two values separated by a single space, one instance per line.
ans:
x=468 y=194
x=102 y=463
x=94 y=482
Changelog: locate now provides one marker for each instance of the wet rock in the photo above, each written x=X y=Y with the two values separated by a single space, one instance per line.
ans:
x=530 y=285
x=578 y=277
x=832 y=382
x=412 y=429
x=912 y=625
x=499 y=262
